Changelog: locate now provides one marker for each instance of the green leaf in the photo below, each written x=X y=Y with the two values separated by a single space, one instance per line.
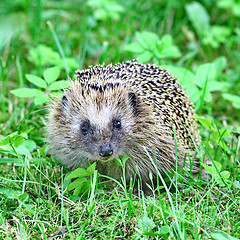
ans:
x=43 y=55
x=29 y=130
x=223 y=145
x=14 y=134
x=147 y=40
x=79 y=172
x=18 y=141
x=24 y=135
x=7 y=149
x=217 y=165
x=114 y=7
x=214 y=170
x=203 y=74
x=121 y=161
x=106 y=9
x=27 y=92
x=78 y=190
x=208 y=168
x=170 y=52
x=207 y=123
x=198 y=17
x=221 y=133
x=225 y=3
x=51 y=74
x=76 y=183
x=236 y=9
x=134 y=47
x=61 y=84
x=145 y=224
x=118 y=162
x=36 y=80
x=216 y=35
x=91 y=168
x=163 y=231
x=40 y=100
x=72 y=63
x=11 y=25
x=214 y=86
x=145 y=57
x=124 y=159
x=22 y=150
x=4 y=140
x=220 y=64
x=167 y=49
x=225 y=175
x=29 y=144
x=100 y=14
x=193 y=93
x=234 y=99
x=205 y=79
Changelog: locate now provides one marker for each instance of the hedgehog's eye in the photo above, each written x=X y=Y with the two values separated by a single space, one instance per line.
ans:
x=117 y=124
x=85 y=128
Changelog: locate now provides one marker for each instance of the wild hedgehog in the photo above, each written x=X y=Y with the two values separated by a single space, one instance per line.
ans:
x=124 y=109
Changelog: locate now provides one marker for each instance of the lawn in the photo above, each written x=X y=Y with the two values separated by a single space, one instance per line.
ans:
x=43 y=42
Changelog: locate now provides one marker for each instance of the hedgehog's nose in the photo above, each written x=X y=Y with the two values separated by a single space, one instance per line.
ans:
x=105 y=150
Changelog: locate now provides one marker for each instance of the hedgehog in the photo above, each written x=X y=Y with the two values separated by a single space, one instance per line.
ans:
x=130 y=108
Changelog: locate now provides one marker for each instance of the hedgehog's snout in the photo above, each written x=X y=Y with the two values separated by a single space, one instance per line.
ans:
x=105 y=150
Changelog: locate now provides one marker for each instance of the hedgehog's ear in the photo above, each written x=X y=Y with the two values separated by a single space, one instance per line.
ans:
x=64 y=102
x=133 y=101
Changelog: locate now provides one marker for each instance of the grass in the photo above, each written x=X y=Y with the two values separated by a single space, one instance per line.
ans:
x=35 y=200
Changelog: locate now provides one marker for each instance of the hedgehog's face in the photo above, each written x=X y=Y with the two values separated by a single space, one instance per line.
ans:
x=100 y=122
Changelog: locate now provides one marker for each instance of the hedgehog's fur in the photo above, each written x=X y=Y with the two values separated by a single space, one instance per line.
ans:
x=147 y=101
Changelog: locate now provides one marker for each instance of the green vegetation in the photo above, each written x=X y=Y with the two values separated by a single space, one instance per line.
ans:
x=43 y=42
